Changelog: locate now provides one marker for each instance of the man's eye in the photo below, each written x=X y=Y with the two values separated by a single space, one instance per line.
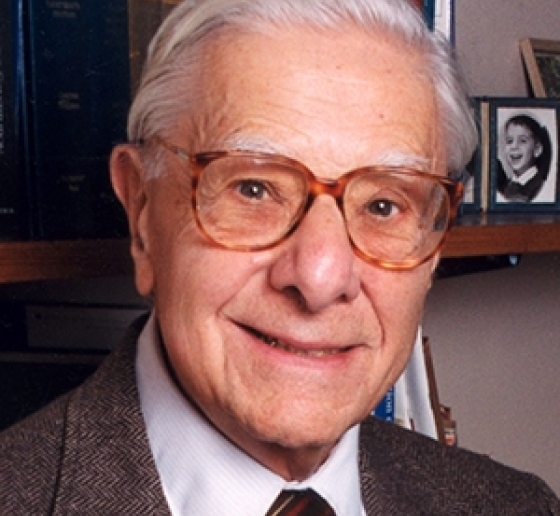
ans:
x=382 y=208
x=252 y=189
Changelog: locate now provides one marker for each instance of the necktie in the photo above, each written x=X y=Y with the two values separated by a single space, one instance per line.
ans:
x=300 y=503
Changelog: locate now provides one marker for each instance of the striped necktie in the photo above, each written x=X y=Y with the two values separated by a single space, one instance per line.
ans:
x=300 y=503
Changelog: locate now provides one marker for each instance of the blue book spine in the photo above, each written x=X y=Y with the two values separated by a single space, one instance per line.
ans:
x=13 y=212
x=78 y=97
x=429 y=12
x=385 y=410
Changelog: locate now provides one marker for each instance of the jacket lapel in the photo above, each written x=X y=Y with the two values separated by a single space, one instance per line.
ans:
x=105 y=431
x=377 y=501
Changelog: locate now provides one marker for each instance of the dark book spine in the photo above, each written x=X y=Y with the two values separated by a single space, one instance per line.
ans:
x=13 y=212
x=429 y=12
x=144 y=19
x=79 y=92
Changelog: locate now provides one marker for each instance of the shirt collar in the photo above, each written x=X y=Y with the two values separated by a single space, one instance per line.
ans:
x=195 y=461
x=524 y=178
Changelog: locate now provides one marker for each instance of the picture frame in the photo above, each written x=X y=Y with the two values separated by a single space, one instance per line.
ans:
x=439 y=16
x=444 y=19
x=523 y=141
x=472 y=174
x=541 y=58
x=471 y=177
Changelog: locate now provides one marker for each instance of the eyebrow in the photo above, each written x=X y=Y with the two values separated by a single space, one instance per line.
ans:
x=253 y=143
x=388 y=158
x=398 y=158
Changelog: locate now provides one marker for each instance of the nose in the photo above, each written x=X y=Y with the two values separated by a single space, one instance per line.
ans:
x=317 y=261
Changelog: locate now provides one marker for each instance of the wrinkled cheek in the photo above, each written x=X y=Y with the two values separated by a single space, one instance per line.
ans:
x=289 y=410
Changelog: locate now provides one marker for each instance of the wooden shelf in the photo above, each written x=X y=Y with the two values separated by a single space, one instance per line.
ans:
x=504 y=233
x=34 y=261
x=51 y=357
x=473 y=235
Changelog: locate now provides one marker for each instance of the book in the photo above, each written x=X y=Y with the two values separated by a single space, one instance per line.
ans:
x=144 y=18
x=419 y=414
x=428 y=10
x=13 y=213
x=429 y=13
x=444 y=19
x=411 y=397
x=433 y=394
x=78 y=93
x=385 y=409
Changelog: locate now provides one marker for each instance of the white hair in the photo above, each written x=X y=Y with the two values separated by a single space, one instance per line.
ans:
x=173 y=53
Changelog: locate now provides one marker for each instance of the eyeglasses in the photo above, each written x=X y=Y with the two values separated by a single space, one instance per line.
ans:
x=396 y=218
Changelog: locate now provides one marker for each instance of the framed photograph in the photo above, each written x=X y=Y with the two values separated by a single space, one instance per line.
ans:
x=542 y=62
x=471 y=179
x=472 y=175
x=523 y=155
x=444 y=19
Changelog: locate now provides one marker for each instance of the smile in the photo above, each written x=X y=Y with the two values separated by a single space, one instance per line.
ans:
x=273 y=342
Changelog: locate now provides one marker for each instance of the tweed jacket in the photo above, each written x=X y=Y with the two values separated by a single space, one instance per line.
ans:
x=87 y=453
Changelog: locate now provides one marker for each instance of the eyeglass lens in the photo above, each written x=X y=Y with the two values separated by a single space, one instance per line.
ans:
x=248 y=203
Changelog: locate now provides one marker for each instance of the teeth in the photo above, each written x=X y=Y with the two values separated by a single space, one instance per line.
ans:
x=313 y=353
x=269 y=340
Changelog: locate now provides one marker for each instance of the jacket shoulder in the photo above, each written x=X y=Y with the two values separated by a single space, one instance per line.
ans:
x=85 y=453
x=418 y=475
x=30 y=456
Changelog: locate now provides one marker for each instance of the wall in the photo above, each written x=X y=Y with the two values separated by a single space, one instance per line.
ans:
x=487 y=41
x=496 y=335
x=495 y=338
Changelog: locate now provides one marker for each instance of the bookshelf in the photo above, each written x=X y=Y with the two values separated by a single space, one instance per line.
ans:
x=501 y=233
x=473 y=235
x=51 y=260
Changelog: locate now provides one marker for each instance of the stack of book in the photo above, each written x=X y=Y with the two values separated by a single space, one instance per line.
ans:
x=12 y=217
x=413 y=402
x=67 y=72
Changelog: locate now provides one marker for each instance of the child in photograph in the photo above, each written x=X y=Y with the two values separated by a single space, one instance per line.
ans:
x=527 y=156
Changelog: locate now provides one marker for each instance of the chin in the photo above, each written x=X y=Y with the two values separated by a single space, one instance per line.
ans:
x=304 y=432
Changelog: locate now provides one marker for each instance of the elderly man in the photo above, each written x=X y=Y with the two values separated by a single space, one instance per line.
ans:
x=287 y=189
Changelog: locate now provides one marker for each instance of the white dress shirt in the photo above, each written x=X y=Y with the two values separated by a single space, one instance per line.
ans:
x=524 y=178
x=203 y=473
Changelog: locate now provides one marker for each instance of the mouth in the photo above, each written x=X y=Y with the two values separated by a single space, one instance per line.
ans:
x=276 y=343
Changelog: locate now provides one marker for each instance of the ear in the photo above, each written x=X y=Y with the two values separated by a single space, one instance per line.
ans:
x=127 y=177
x=538 y=150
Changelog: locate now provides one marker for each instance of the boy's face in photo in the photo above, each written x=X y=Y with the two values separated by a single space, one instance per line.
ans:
x=521 y=148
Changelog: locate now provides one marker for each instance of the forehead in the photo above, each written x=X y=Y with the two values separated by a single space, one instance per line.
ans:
x=519 y=128
x=343 y=98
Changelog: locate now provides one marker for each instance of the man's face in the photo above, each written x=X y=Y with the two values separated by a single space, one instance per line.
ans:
x=342 y=329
